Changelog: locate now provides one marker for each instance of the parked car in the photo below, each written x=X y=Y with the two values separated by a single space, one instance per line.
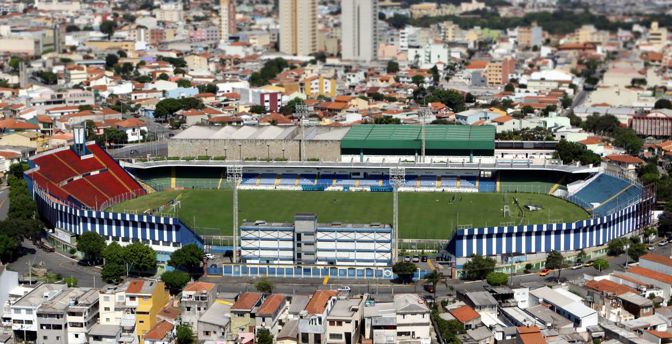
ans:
x=407 y=259
x=416 y=259
x=344 y=289
x=577 y=265
x=423 y=259
x=588 y=263
x=651 y=248
x=663 y=243
x=545 y=272
x=209 y=256
x=428 y=288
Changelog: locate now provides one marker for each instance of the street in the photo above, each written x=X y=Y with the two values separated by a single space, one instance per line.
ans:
x=56 y=263
x=140 y=150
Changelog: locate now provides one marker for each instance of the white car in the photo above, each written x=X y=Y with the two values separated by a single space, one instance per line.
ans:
x=651 y=248
x=662 y=243
x=209 y=256
x=344 y=289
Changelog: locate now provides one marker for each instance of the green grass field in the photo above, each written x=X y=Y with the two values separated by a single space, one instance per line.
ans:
x=422 y=215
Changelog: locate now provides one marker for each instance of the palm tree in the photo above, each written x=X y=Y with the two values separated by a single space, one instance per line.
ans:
x=434 y=278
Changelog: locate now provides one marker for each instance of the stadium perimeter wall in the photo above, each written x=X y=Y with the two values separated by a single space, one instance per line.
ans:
x=544 y=238
x=163 y=234
x=324 y=150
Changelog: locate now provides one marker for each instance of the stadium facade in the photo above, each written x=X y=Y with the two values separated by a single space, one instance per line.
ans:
x=74 y=186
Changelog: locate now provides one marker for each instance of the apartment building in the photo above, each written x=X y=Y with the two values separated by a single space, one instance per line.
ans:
x=298 y=27
x=497 y=72
x=344 y=321
x=244 y=310
x=24 y=312
x=359 y=24
x=148 y=298
x=227 y=19
x=196 y=298
x=270 y=312
x=112 y=301
x=313 y=319
x=215 y=323
x=82 y=313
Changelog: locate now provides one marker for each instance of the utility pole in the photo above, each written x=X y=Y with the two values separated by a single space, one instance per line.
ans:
x=234 y=174
x=302 y=114
x=397 y=178
x=424 y=113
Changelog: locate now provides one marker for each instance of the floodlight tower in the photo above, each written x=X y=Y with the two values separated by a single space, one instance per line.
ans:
x=424 y=113
x=397 y=178
x=234 y=174
x=302 y=114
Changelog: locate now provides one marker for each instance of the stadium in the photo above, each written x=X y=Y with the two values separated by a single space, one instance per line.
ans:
x=459 y=190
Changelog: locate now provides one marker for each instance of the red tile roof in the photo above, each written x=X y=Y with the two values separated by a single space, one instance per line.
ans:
x=591 y=140
x=624 y=158
x=318 y=303
x=477 y=64
x=159 y=331
x=658 y=276
x=11 y=123
x=660 y=334
x=135 y=286
x=530 y=335
x=199 y=286
x=131 y=123
x=664 y=260
x=246 y=301
x=609 y=287
x=271 y=305
x=464 y=314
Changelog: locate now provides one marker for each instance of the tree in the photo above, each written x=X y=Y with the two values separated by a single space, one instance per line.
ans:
x=163 y=76
x=638 y=82
x=111 y=60
x=264 y=286
x=628 y=140
x=143 y=79
x=92 y=245
x=140 y=257
x=112 y=273
x=290 y=108
x=4 y=83
x=175 y=280
x=616 y=247
x=509 y=88
x=663 y=104
x=527 y=109
x=258 y=109
x=185 y=335
x=264 y=336
x=555 y=261
x=497 y=278
x=17 y=170
x=452 y=98
x=208 y=88
x=184 y=83
x=436 y=77
x=601 y=264
x=188 y=258
x=113 y=136
x=70 y=282
x=46 y=76
x=392 y=67
x=108 y=27
x=566 y=101
x=404 y=270
x=418 y=80
x=478 y=267
x=636 y=250
x=14 y=63
x=9 y=246
x=398 y=21
x=268 y=72
x=571 y=152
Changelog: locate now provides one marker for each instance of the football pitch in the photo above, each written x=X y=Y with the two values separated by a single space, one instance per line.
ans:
x=431 y=215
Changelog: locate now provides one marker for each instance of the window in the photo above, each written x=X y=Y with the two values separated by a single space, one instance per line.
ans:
x=298 y=236
x=318 y=338
x=107 y=309
x=304 y=338
x=332 y=323
x=188 y=309
x=336 y=336
x=145 y=298
x=206 y=333
x=131 y=298
x=45 y=337
x=106 y=298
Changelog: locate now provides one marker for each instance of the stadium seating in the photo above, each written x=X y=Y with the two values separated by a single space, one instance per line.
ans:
x=428 y=182
x=487 y=185
x=467 y=182
x=307 y=179
x=625 y=197
x=267 y=179
x=91 y=181
x=601 y=189
x=288 y=179
x=448 y=181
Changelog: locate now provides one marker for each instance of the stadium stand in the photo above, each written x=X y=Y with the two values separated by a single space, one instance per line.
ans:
x=605 y=193
x=487 y=185
x=89 y=181
x=532 y=181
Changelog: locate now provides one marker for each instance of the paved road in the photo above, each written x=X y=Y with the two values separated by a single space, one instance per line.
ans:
x=4 y=202
x=56 y=263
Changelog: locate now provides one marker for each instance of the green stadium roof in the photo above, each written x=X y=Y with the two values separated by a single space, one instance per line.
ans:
x=444 y=137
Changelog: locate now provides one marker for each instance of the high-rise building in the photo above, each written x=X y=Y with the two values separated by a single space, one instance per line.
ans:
x=298 y=27
x=227 y=19
x=359 y=26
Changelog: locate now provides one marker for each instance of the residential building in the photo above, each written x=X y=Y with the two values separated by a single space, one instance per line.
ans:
x=82 y=313
x=467 y=316
x=480 y=301
x=227 y=19
x=196 y=298
x=498 y=72
x=270 y=312
x=413 y=319
x=657 y=123
x=148 y=298
x=566 y=304
x=215 y=323
x=298 y=27
x=636 y=304
x=359 y=25
x=345 y=321
x=316 y=86
x=530 y=36
x=243 y=312
x=68 y=316
x=104 y=334
x=161 y=333
x=24 y=312
x=134 y=129
x=289 y=333
x=75 y=74
x=313 y=321
x=112 y=301
x=657 y=35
